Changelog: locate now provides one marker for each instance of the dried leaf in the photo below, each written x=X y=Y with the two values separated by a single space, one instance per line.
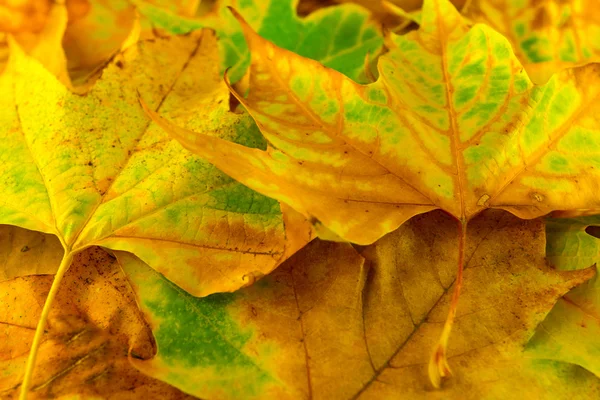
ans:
x=507 y=291
x=328 y=325
x=94 y=327
x=24 y=252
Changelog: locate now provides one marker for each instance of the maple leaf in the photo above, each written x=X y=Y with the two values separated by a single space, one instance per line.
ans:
x=453 y=122
x=91 y=332
x=570 y=331
x=330 y=323
x=24 y=252
x=91 y=171
x=339 y=37
x=547 y=36
x=458 y=127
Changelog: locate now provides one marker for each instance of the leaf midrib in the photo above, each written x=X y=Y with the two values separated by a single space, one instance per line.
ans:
x=128 y=157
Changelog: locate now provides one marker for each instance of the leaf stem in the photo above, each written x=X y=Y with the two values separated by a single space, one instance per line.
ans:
x=438 y=364
x=39 y=331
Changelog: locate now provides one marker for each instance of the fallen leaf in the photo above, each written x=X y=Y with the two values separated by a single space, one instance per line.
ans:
x=24 y=252
x=91 y=331
x=571 y=330
x=114 y=181
x=507 y=291
x=547 y=36
x=339 y=37
x=326 y=324
x=453 y=123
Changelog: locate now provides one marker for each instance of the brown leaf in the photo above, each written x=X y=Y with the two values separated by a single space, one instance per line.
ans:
x=24 y=252
x=93 y=327
x=327 y=325
x=507 y=291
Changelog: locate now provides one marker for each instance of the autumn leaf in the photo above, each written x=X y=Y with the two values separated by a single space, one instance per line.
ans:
x=570 y=331
x=458 y=127
x=91 y=332
x=330 y=323
x=133 y=189
x=508 y=289
x=548 y=36
x=339 y=37
x=453 y=122
x=24 y=252
x=112 y=180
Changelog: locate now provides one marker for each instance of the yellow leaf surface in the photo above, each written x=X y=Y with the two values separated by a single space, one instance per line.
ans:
x=332 y=324
x=453 y=123
x=93 y=328
x=114 y=180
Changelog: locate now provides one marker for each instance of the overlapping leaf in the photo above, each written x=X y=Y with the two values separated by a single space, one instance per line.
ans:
x=91 y=332
x=453 y=123
x=327 y=324
x=73 y=39
x=24 y=252
x=570 y=332
x=338 y=37
x=91 y=170
x=547 y=36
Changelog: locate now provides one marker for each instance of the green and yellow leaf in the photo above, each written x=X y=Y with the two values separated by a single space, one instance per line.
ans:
x=453 y=122
x=330 y=323
x=92 y=171
x=548 y=36
x=338 y=37
x=92 y=331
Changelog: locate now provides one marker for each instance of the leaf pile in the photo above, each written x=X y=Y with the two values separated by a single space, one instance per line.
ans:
x=166 y=168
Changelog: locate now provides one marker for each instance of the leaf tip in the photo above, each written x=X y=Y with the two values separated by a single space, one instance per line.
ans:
x=239 y=18
x=247 y=30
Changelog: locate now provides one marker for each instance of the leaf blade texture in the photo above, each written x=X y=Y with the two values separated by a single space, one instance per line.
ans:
x=453 y=122
x=330 y=323
x=90 y=170
x=92 y=331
